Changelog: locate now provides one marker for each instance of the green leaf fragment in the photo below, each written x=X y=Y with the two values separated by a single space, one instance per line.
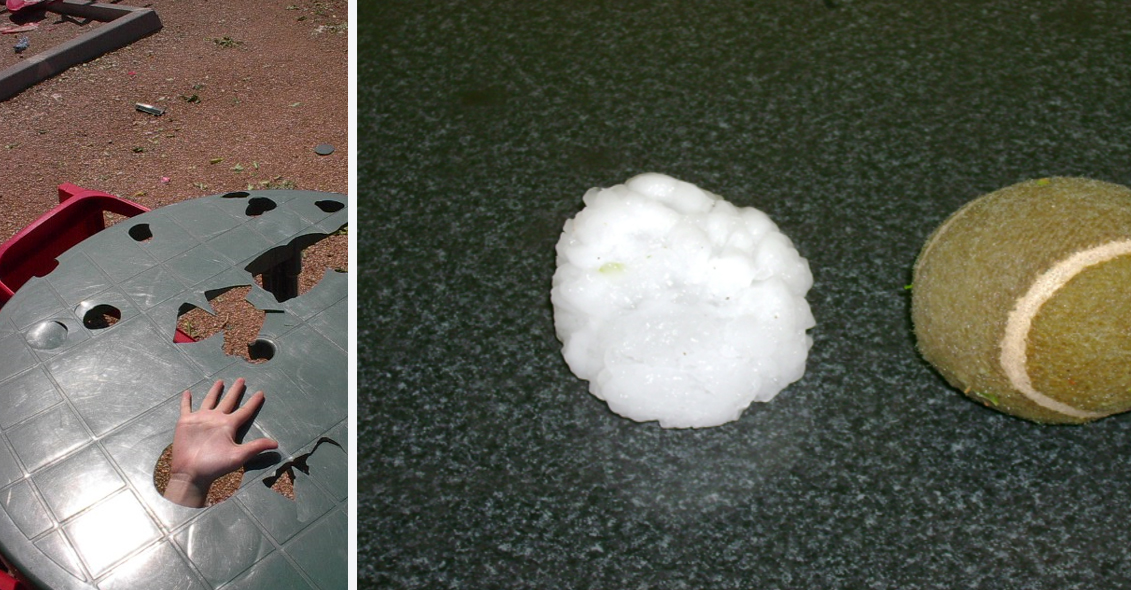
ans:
x=989 y=397
x=611 y=268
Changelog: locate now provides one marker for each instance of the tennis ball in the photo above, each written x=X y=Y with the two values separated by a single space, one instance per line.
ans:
x=1022 y=300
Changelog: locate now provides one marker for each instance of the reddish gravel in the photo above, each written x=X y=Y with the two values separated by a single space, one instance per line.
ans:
x=249 y=88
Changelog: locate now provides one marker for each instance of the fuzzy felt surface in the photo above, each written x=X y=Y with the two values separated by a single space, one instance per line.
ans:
x=1079 y=348
x=980 y=262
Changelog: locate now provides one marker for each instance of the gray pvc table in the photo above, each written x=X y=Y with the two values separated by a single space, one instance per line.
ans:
x=86 y=410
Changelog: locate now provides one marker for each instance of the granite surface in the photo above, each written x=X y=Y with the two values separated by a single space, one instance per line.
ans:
x=858 y=126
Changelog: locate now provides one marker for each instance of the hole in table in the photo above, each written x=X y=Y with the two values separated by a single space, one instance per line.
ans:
x=235 y=195
x=101 y=316
x=329 y=206
x=284 y=476
x=141 y=232
x=260 y=351
x=239 y=321
x=258 y=206
x=221 y=489
x=292 y=270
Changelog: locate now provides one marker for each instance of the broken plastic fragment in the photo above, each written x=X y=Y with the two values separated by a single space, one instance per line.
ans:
x=11 y=29
x=14 y=5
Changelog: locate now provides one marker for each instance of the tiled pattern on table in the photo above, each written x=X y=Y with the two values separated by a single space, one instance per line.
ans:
x=9 y=469
x=26 y=509
x=78 y=482
x=244 y=542
x=110 y=530
x=47 y=436
x=152 y=286
x=124 y=371
x=28 y=394
x=25 y=311
x=83 y=419
x=159 y=566
x=87 y=279
x=310 y=548
x=276 y=571
x=21 y=356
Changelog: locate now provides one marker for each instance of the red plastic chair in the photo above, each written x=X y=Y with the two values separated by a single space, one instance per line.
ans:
x=7 y=580
x=32 y=252
x=9 y=583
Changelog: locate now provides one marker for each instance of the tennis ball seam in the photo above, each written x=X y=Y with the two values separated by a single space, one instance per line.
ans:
x=1014 y=355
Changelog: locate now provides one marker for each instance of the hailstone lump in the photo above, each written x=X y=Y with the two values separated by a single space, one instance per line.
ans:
x=678 y=306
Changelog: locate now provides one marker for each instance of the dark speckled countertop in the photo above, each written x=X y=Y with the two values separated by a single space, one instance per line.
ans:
x=858 y=126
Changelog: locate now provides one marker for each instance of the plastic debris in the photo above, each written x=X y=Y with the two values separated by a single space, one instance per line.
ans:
x=12 y=29
x=22 y=44
x=149 y=109
x=15 y=5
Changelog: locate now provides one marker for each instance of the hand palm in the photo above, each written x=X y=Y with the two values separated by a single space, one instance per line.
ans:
x=204 y=442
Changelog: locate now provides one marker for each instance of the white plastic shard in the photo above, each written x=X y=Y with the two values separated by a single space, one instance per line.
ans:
x=678 y=306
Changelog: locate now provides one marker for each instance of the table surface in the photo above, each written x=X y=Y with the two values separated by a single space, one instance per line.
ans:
x=858 y=126
x=85 y=411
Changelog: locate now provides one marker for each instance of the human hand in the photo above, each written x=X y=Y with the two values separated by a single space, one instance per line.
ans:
x=204 y=442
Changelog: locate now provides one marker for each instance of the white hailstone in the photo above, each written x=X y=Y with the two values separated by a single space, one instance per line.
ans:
x=676 y=305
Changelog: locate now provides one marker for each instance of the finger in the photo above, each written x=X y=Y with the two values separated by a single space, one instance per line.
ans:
x=232 y=398
x=250 y=408
x=186 y=403
x=252 y=448
x=213 y=395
